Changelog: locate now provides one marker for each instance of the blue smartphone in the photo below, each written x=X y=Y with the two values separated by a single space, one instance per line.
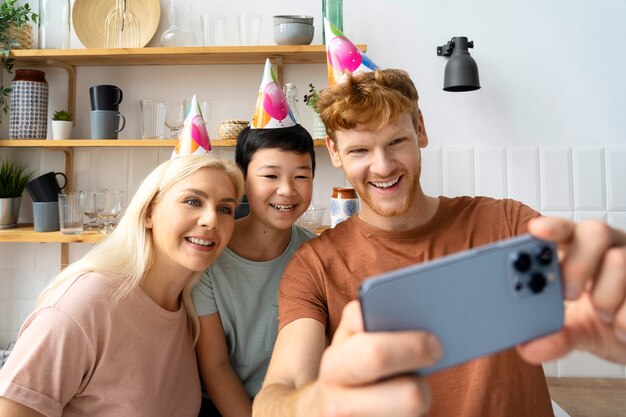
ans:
x=476 y=302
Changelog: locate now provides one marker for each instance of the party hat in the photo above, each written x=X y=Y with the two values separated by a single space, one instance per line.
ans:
x=193 y=138
x=342 y=55
x=271 y=110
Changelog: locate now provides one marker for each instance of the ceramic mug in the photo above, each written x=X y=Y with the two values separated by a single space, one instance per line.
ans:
x=46 y=216
x=105 y=97
x=106 y=123
x=46 y=187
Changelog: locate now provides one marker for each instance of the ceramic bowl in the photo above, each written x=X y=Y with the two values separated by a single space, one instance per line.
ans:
x=293 y=30
x=312 y=218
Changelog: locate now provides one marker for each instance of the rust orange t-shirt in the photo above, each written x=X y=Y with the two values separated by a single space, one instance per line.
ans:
x=326 y=273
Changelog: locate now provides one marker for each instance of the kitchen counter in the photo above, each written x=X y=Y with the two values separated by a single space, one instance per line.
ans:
x=589 y=397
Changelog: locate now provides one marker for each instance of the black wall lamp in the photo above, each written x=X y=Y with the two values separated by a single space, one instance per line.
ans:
x=461 y=73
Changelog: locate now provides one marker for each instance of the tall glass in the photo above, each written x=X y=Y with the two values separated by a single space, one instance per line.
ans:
x=71 y=212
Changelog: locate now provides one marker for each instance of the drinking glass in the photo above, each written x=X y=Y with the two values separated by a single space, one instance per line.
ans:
x=92 y=209
x=174 y=117
x=110 y=203
x=71 y=212
x=205 y=108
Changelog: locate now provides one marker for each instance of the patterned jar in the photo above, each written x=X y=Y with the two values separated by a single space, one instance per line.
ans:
x=343 y=204
x=29 y=105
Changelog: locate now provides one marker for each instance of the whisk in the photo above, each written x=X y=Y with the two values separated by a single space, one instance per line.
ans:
x=122 y=27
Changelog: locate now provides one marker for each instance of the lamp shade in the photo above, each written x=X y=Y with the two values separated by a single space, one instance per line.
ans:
x=461 y=73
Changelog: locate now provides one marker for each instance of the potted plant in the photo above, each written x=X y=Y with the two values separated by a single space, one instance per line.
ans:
x=62 y=122
x=15 y=33
x=13 y=179
x=310 y=99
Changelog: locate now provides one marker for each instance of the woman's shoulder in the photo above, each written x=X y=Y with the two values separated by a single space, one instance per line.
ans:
x=86 y=290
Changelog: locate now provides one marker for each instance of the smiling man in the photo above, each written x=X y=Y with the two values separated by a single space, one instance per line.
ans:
x=324 y=364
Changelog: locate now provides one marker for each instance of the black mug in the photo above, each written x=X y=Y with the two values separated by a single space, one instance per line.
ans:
x=46 y=187
x=105 y=97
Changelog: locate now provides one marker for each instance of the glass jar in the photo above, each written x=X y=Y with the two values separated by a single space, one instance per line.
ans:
x=291 y=94
x=54 y=24
x=28 y=118
x=178 y=32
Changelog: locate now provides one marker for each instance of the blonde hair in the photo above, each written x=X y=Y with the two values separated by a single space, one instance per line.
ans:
x=371 y=99
x=128 y=252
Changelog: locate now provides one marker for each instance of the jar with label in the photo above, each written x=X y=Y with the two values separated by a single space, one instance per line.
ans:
x=343 y=204
x=28 y=118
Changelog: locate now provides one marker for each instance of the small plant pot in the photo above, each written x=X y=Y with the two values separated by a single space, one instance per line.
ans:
x=9 y=212
x=61 y=129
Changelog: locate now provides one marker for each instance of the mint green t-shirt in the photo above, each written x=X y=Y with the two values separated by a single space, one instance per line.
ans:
x=244 y=293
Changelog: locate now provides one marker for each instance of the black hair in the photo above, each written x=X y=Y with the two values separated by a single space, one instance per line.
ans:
x=290 y=139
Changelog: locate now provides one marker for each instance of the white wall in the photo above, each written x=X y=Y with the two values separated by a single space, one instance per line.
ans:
x=547 y=71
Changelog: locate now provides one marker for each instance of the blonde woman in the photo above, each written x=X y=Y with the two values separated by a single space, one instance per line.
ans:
x=114 y=333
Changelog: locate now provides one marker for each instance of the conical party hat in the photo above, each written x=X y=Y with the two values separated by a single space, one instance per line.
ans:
x=271 y=110
x=193 y=138
x=342 y=55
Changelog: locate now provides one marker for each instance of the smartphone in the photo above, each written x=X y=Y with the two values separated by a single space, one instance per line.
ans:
x=477 y=302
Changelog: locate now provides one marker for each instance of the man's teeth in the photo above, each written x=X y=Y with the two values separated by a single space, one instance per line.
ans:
x=386 y=184
x=200 y=241
x=282 y=207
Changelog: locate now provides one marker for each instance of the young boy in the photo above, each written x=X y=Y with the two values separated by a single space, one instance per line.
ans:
x=237 y=297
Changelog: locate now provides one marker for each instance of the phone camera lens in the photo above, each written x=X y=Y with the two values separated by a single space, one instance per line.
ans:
x=545 y=255
x=522 y=261
x=537 y=282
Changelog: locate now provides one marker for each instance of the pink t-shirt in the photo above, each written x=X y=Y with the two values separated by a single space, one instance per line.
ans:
x=79 y=354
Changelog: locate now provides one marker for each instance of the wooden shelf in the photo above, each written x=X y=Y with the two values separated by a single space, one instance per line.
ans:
x=114 y=143
x=25 y=233
x=69 y=59
x=193 y=55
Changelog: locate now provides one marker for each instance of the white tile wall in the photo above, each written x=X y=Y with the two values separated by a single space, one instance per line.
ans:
x=575 y=183
x=490 y=172
x=615 y=175
x=589 y=179
x=555 y=165
x=458 y=171
x=523 y=175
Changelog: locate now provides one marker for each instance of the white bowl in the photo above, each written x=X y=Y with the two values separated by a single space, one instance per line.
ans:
x=293 y=30
x=312 y=218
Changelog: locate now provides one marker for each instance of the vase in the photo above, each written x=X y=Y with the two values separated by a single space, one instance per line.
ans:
x=333 y=11
x=319 y=130
x=344 y=202
x=28 y=117
x=54 y=24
